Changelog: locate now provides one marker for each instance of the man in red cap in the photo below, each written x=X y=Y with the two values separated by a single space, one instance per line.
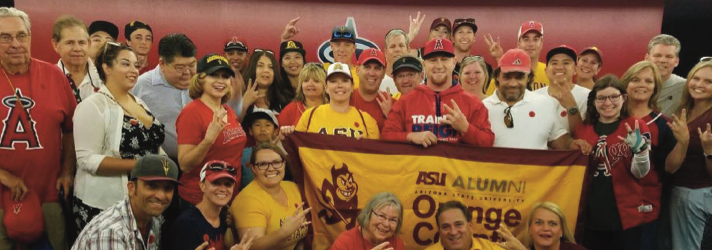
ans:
x=530 y=38
x=368 y=97
x=514 y=109
x=439 y=110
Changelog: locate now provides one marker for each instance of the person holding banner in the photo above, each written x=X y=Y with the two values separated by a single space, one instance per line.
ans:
x=269 y=208
x=548 y=229
x=616 y=203
x=454 y=221
x=439 y=110
x=311 y=92
x=337 y=117
x=379 y=224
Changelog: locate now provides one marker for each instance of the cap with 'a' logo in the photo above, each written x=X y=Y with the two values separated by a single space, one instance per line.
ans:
x=338 y=68
x=438 y=46
x=515 y=60
x=291 y=46
x=530 y=26
x=372 y=54
x=155 y=168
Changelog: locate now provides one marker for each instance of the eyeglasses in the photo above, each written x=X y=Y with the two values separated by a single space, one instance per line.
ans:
x=613 y=98
x=703 y=59
x=342 y=34
x=261 y=50
x=508 y=119
x=106 y=46
x=7 y=38
x=217 y=166
x=382 y=217
x=265 y=165
x=182 y=67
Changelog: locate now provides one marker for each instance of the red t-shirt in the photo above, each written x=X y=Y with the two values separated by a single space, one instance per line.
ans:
x=353 y=240
x=372 y=108
x=191 y=125
x=291 y=113
x=31 y=137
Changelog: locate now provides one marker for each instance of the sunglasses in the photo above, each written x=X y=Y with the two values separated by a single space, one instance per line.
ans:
x=112 y=44
x=263 y=50
x=217 y=166
x=508 y=119
x=342 y=34
x=706 y=59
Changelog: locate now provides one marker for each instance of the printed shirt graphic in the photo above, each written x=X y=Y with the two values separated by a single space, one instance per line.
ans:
x=34 y=116
x=326 y=121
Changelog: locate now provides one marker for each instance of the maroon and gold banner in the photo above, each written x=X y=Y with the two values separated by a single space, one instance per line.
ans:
x=338 y=175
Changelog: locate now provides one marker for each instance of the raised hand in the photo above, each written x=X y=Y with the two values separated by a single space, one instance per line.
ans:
x=387 y=102
x=679 y=128
x=455 y=117
x=291 y=29
x=510 y=242
x=563 y=94
x=245 y=243
x=216 y=125
x=635 y=139
x=495 y=47
x=297 y=220
x=415 y=24
x=251 y=94
x=706 y=139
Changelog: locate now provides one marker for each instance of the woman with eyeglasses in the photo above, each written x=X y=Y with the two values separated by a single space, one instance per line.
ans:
x=692 y=181
x=643 y=83
x=265 y=88
x=311 y=92
x=292 y=58
x=588 y=65
x=114 y=128
x=379 y=223
x=616 y=204
x=473 y=75
x=207 y=222
x=269 y=208
x=207 y=128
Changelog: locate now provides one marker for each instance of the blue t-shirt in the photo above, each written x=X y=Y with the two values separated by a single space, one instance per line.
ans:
x=191 y=229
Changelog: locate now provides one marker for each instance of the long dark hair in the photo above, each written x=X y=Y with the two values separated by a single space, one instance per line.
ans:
x=109 y=52
x=285 y=77
x=278 y=94
x=606 y=81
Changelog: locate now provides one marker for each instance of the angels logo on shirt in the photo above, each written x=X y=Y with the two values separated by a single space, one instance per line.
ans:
x=18 y=125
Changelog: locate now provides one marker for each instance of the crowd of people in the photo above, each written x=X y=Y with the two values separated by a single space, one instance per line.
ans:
x=116 y=153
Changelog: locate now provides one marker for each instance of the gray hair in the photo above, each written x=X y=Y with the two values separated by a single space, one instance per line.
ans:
x=379 y=201
x=12 y=12
x=396 y=32
x=665 y=39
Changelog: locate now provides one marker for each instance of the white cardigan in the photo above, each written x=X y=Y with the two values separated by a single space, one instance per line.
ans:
x=97 y=134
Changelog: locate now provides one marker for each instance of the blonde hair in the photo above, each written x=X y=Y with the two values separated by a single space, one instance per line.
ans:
x=475 y=60
x=552 y=207
x=634 y=70
x=686 y=102
x=195 y=90
x=313 y=72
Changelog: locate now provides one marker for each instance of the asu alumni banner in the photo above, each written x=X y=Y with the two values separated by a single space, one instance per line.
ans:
x=338 y=175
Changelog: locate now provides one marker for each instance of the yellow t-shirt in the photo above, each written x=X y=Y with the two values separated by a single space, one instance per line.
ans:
x=354 y=74
x=540 y=79
x=254 y=207
x=477 y=243
x=326 y=121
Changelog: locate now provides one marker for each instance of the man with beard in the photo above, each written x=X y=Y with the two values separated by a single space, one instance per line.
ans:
x=101 y=32
x=139 y=36
x=397 y=45
x=454 y=222
x=457 y=116
x=71 y=41
x=514 y=109
x=664 y=51
x=368 y=97
x=407 y=74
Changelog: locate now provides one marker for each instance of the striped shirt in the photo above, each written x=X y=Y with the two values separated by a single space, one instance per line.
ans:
x=116 y=228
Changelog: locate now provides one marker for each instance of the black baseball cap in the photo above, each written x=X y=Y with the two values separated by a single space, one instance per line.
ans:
x=407 y=62
x=155 y=168
x=464 y=21
x=133 y=26
x=235 y=43
x=213 y=62
x=291 y=46
x=561 y=49
x=343 y=33
x=105 y=26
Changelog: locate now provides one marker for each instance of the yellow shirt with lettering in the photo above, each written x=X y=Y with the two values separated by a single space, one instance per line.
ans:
x=326 y=121
x=540 y=79
x=354 y=74
x=477 y=244
x=254 y=207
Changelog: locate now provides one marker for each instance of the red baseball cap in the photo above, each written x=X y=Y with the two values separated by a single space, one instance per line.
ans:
x=530 y=26
x=515 y=60
x=371 y=54
x=594 y=50
x=217 y=169
x=23 y=220
x=438 y=46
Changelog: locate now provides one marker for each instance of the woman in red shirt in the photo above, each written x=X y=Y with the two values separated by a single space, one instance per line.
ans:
x=378 y=226
x=310 y=93
x=207 y=128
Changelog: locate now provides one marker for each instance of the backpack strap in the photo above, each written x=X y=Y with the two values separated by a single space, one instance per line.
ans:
x=310 y=117
x=363 y=122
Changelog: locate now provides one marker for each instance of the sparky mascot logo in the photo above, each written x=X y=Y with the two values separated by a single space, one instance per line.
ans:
x=339 y=198
x=18 y=126
x=326 y=55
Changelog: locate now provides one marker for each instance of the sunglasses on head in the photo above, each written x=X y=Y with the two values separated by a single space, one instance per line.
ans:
x=112 y=44
x=342 y=34
x=217 y=166
x=706 y=59
x=265 y=50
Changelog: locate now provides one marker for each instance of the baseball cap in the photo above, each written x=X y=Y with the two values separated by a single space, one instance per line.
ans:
x=291 y=46
x=338 y=68
x=259 y=113
x=464 y=21
x=23 y=220
x=217 y=169
x=515 y=60
x=213 y=62
x=105 y=26
x=155 y=168
x=343 y=33
x=438 y=46
x=371 y=54
x=561 y=49
x=594 y=50
x=235 y=43
x=441 y=21
x=407 y=62
x=133 y=26
x=530 y=26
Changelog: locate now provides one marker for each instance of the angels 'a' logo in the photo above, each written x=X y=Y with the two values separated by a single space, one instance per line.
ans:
x=16 y=208
x=439 y=43
x=18 y=126
x=531 y=24
x=601 y=154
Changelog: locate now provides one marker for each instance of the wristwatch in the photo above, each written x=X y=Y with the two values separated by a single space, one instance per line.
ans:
x=573 y=111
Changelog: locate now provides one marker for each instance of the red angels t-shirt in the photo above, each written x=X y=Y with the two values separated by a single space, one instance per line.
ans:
x=191 y=125
x=31 y=140
x=372 y=108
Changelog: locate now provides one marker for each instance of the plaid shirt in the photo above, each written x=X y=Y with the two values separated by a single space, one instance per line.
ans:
x=115 y=228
